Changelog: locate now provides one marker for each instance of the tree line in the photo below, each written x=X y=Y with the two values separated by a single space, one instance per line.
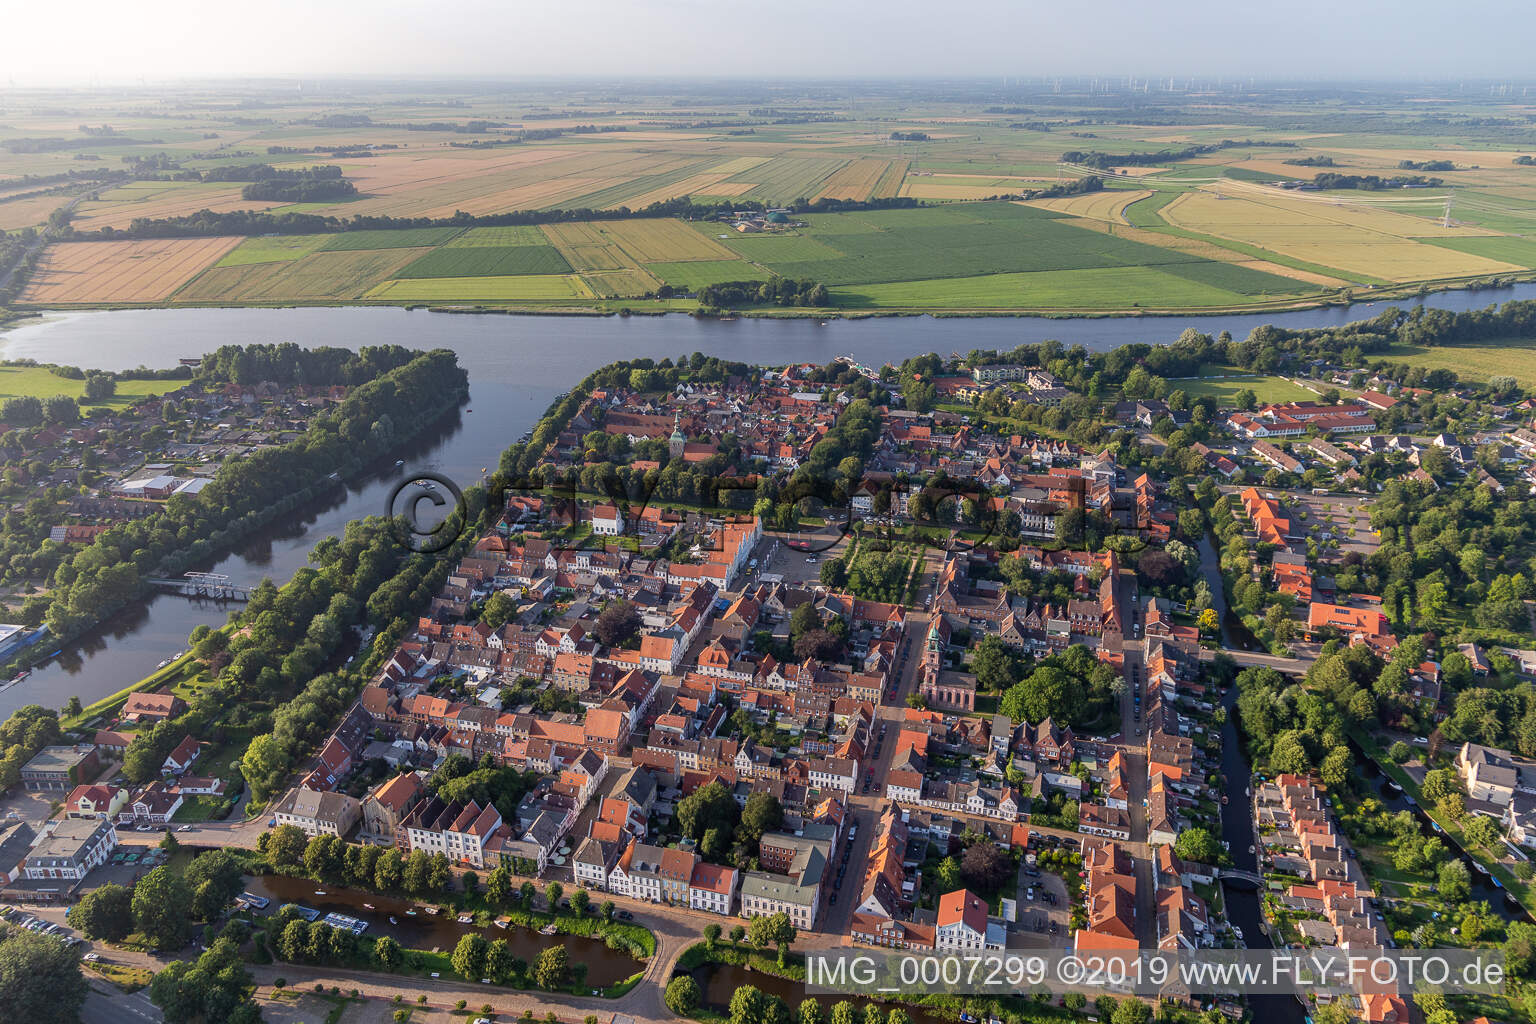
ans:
x=206 y=223
x=1109 y=161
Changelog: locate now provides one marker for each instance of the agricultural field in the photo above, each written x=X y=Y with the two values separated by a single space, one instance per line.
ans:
x=404 y=238
x=489 y=261
x=531 y=288
x=159 y=199
x=321 y=276
x=272 y=249
x=1120 y=289
x=1206 y=229
x=1353 y=239
x=150 y=271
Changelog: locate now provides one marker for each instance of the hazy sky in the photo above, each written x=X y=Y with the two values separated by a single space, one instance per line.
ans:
x=48 y=41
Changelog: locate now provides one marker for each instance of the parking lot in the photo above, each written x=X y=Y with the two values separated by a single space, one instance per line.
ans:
x=23 y=919
x=1042 y=903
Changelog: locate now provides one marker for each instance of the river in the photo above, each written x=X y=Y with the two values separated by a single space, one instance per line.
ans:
x=516 y=365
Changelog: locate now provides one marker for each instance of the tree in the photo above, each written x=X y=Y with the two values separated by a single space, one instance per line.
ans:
x=842 y=1012
x=772 y=930
x=1131 y=1011
x=98 y=386
x=40 y=978
x=748 y=1005
x=711 y=935
x=682 y=996
x=551 y=967
x=386 y=951
x=418 y=872
x=1208 y=622
x=162 y=909
x=105 y=912
x=500 y=964
x=1336 y=766
x=286 y=845
x=810 y=1012
x=986 y=867
x=1455 y=881
x=706 y=808
x=498 y=885
x=1198 y=845
x=216 y=878
x=579 y=900
x=761 y=814
x=737 y=934
x=499 y=609
x=469 y=956
x=617 y=623
x=552 y=892
x=216 y=987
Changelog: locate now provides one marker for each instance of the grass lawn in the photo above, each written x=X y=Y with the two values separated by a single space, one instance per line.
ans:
x=1224 y=382
x=37 y=382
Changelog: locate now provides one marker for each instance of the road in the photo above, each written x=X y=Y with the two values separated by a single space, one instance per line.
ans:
x=107 y=1005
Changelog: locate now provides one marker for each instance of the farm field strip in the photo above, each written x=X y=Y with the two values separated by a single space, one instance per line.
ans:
x=21 y=213
x=661 y=241
x=516 y=234
x=320 y=276
x=1105 y=289
x=397 y=238
x=144 y=271
x=1106 y=206
x=533 y=288
x=695 y=274
x=223 y=199
x=272 y=249
x=856 y=180
x=786 y=178
x=487 y=261
x=624 y=284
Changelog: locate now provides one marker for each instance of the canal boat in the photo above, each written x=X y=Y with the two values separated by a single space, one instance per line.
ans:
x=367 y=906
x=466 y=919
x=503 y=921
x=548 y=929
x=392 y=919
x=410 y=913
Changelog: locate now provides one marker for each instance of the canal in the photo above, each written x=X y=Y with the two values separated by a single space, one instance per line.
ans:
x=408 y=923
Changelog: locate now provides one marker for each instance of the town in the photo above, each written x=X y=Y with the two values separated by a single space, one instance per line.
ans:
x=957 y=655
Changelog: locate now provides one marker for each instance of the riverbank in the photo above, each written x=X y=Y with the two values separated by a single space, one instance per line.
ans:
x=1523 y=890
x=1341 y=298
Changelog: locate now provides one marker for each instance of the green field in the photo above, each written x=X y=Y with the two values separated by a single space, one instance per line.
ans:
x=1510 y=357
x=528 y=288
x=272 y=249
x=489 y=261
x=1225 y=382
x=697 y=273
x=988 y=239
x=401 y=238
x=1519 y=251
x=517 y=234
x=1094 y=288
x=37 y=382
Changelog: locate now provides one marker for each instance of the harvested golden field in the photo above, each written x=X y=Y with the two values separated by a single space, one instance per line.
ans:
x=620 y=284
x=1370 y=242
x=157 y=203
x=345 y=274
x=662 y=241
x=74 y=272
x=585 y=248
x=857 y=180
x=1203 y=249
x=1108 y=206
x=21 y=213
x=697 y=185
